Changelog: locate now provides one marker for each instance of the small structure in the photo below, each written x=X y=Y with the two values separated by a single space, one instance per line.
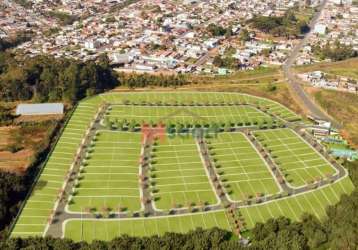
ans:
x=320 y=29
x=40 y=109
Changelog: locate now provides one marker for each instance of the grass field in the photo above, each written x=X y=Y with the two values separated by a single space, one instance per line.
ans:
x=199 y=98
x=108 y=229
x=298 y=161
x=238 y=115
x=241 y=169
x=293 y=207
x=347 y=68
x=314 y=202
x=180 y=178
x=109 y=179
x=39 y=206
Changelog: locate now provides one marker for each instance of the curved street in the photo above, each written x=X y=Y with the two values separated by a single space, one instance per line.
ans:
x=303 y=98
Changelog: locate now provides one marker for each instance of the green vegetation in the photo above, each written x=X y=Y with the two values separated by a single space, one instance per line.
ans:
x=226 y=62
x=13 y=189
x=242 y=171
x=347 y=68
x=178 y=177
x=216 y=30
x=189 y=115
x=184 y=102
x=134 y=80
x=93 y=229
x=48 y=186
x=63 y=17
x=335 y=51
x=288 y=25
x=6 y=115
x=299 y=162
x=109 y=175
x=46 y=79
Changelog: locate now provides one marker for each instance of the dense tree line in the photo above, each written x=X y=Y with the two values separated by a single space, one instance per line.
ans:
x=6 y=115
x=335 y=51
x=45 y=78
x=146 y=80
x=12 y=190
x=287 y=25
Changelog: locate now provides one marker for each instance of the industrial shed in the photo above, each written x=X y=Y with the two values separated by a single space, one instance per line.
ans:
x=40 y=109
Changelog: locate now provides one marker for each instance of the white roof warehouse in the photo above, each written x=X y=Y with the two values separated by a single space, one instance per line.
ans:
x=40 y=109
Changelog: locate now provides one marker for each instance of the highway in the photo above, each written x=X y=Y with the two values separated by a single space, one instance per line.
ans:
x=303 y=98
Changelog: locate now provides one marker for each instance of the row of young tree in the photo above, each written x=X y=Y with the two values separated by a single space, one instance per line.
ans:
x=146 y=80
x=337 y=231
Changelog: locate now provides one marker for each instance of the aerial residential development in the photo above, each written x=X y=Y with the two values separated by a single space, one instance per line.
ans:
x=189 y=124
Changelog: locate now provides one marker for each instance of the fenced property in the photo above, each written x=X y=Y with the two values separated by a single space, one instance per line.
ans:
x=300 y=163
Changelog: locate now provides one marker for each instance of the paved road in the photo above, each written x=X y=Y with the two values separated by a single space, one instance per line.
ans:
x=294 y=83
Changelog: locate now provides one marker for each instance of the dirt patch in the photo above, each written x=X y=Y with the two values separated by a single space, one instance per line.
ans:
x=19 y=144
x=15 y=162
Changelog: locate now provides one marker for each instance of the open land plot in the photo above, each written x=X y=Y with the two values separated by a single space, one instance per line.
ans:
x=180 y=177
x=236 y=115
x=299 y=162
x=199 y=98
x=314 y=202
x=38 y=208
x=109 y=178
x=240 y=167
x=89 y=230
x=293 y=207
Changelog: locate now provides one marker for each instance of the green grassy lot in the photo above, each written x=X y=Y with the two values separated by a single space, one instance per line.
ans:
x=240 y=167
x=38 y=207
x=108 y=229
x=299 y=162
x=293 y=207
x=199 y=98
x=109 y=179
x=179 y=175
x=238 y=115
